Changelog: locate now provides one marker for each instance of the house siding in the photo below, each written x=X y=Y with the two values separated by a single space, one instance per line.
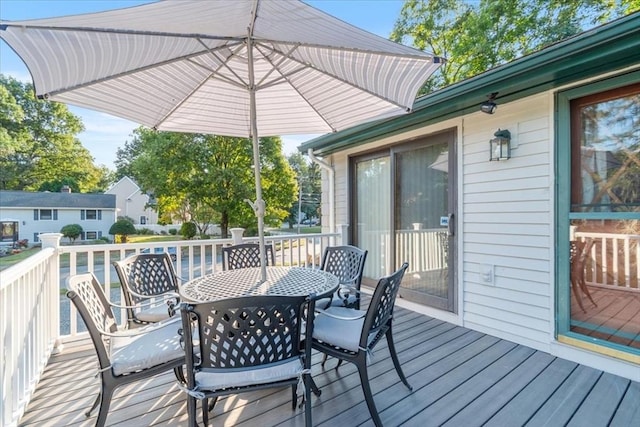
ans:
x=506 y=212
x=20 y=206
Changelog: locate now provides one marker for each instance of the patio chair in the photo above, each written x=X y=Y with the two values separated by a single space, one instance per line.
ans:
x=245 y=255
x=246 y=344
x=124 y=356
x=149 y=284
x=579 y=251
x=351 y=335
x=347 y=264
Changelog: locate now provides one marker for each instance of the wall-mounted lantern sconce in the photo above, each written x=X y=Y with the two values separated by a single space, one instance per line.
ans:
x=489 y=106
x=500 y=145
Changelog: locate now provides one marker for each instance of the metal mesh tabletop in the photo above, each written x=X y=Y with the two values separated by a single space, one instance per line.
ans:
x=288 y=281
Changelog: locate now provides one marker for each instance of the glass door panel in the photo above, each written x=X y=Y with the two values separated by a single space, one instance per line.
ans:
x=605 y=217
x=372 y=214
x=421 y=222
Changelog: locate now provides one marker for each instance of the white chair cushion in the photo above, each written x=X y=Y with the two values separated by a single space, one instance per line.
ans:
x=138 y=352
x=339 y=332
x=154 y=314
x=222 y=378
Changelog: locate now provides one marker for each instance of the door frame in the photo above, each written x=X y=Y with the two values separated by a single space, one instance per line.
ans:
x=450 y=136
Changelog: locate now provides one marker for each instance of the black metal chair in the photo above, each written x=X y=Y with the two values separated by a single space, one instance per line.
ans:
x=245 y=255
x=351 y=335
x=347 y=264
x=245 y=344
x=149 y=283
x=124 y=356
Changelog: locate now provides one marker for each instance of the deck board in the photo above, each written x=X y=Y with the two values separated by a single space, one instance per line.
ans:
x=459 y=377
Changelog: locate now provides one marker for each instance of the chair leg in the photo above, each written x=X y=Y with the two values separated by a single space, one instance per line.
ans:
x=105 y=401
x=324 y=359
x=94 y=405
x=308 y=382
x=191 y=410
x=361 y=364
x=294 y=396
x=394 y=357
x=576 y=293
x=205 y=411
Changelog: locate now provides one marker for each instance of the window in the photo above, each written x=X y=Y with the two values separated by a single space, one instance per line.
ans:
x=90 y=214
x=91 y=235
x=45 y=214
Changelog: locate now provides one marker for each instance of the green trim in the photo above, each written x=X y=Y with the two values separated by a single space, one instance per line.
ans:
x=607 y=48
x=563 y=210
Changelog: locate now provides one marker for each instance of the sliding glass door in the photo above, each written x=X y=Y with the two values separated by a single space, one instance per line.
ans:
x=404 y=211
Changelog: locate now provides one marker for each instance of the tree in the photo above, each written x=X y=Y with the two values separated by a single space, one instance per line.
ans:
x=207 y=178
x=477 y=36
x=39 y=147
x=308 y=178
x=72 y=232
x=122 y=228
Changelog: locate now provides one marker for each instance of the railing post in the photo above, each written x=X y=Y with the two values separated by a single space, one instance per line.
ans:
x=343 y=230
x=236 y=235
x=52 y=240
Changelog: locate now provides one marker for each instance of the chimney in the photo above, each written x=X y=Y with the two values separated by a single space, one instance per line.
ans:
x=65 y=189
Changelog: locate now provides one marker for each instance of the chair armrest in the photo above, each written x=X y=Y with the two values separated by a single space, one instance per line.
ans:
x=166 y=294
x=358 y=314
x=348 y=289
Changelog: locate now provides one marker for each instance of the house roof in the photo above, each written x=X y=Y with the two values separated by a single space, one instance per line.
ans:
x=606 y=48
x=40 y=200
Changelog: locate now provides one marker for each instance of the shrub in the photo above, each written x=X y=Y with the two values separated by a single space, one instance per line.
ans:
x=145 y=231
x=72 y=232
x=188 y=230
x=173 y=231
x=122 y=228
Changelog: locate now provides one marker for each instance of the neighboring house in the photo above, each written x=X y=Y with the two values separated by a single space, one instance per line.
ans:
x=44 y=212
x=132 y=202
x=489 y=242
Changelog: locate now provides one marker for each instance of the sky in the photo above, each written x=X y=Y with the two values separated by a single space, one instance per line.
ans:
x=104 y=133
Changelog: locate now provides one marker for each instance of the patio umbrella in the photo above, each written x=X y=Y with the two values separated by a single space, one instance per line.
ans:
x=239 y=68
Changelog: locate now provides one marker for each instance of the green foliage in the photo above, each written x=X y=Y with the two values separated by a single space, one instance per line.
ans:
x=309 y=185
x=188 y=230
x=477 y=36
x=122 y=228
x=71 y=231
x=206 y=179
x=173 y=231
x=145 y=231
x=39 y=148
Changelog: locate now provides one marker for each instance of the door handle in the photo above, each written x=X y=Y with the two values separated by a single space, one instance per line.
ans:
x=450 y=225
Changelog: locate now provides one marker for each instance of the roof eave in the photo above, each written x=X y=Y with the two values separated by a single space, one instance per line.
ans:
x=570 y=60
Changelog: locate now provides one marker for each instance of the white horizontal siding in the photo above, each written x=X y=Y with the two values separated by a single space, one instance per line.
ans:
x=506 y=216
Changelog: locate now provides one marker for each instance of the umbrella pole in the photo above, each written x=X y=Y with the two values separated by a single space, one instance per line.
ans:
x=259 y=205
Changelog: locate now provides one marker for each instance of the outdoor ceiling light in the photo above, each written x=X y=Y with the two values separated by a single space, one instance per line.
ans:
x=500 y=145
x=489 y=106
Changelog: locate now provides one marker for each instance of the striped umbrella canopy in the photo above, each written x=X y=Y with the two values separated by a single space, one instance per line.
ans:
x=244 y=68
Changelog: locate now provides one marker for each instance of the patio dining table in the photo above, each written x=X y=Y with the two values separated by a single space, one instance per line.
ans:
x=285 y=281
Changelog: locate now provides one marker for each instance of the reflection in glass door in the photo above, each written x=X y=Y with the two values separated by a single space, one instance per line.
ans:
x=402 y=212
x=422 y=233
x=373 y=225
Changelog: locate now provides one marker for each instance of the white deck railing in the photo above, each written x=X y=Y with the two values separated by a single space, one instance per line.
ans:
x=35 y=315
x=614 y=261
x=29 y=322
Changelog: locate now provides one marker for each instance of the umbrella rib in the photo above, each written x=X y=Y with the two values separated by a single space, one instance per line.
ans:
x=338 y=78
x=223 y=63
x=129 y=72
x=274 y=67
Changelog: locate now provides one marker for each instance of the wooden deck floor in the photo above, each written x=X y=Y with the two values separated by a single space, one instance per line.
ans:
x=460 y=378
x=616 y=318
